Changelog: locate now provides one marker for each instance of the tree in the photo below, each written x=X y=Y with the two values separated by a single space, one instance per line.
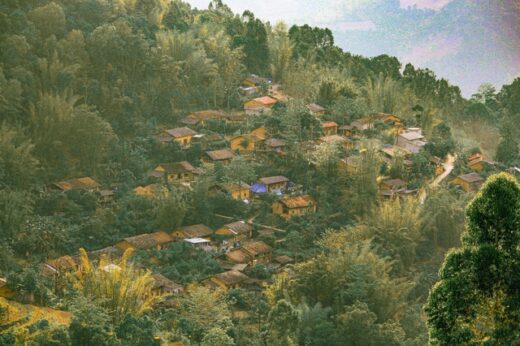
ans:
x=137 y=331
x=217 y=337
x=15 y=208
x=49 y=19
x=476 y=299
x=17 y=163
x=507 y=150
x=121 y=289
x=282 y=324
x=280 y=52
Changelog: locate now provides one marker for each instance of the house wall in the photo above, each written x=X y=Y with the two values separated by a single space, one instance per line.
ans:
x=276 y=186
x=328 y=131
x=184 y=141
x=237 y=144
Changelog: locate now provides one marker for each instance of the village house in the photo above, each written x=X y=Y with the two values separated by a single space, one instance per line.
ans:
x=275 y=145
x=438 y=165
x=469 y=182
x=290 y=206
x=58 y=266
x=221 y=155
x=316 y=109
x=283 y=260
x=250 y=253
x=192 y=231
x=198 y=243
x=344 y=142
x=246 y=144
x=260 y=105
x=247 y=90
x=151 y=191
x=109 y=252
x=390 y=119
x=211 y=141
x=85 y=183
x=349 y=164
x=182 y=135
x=393 y=185
x=238 y=191
x=228 y=280
x=362 y=124
x=163 y=285
x=235 y=118
x=329 y=128
x=254 y=81
x=478 y=163
x=238 y=230
x=412 y=140
x=5 y=291
x=279 y=95
x=345 y=130
x=145 y=241
x=202 y=117
x=106 y=196
x=177 y=172
x=277 y=183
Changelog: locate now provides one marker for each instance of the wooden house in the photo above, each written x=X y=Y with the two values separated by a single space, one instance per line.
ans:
x=202 y=117
x=182 y=135
x=254 y=80
x=345 y=130
x=480 y=163
x=176 y=172
x=390 y=119
x=246 y=144
x=362 y=124
x=349 y=164
x=275 y=145
x=344 y=142
x=283 y=260
x=198 y=243
x=412 y=140
x=228 y=280
x=145 y=241
x=222 y=155
x=329 y=128
x=316 y=109
x=275 y=183
x=151 y=191
x=469 y=182
x=85 y=183
x=238 y=230
x=290 y=206
x=260 y=105
x=250 y=253
x=393 y=185
x=58 y=266
x=163 y=285
x=238 y=191
x=192 y=231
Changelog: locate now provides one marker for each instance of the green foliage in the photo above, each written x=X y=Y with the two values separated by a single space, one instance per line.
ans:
x=475 y=300
x=217 y=337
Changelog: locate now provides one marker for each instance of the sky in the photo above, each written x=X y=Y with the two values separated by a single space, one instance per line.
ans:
x=468 y=42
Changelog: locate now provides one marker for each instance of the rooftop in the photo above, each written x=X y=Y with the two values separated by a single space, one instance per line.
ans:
x=292 y=202
x=180 y=132
x=197 y=231
x=274 y=179
x=471 y=177
x=221 y=154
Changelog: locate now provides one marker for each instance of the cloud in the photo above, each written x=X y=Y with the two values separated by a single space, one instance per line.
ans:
x=431 y=4
x=357 y=25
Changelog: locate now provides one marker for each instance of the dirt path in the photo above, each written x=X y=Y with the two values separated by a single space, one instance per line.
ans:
x=448 y=165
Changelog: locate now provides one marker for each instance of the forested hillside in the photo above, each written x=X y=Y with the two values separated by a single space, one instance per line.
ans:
x=128 y=129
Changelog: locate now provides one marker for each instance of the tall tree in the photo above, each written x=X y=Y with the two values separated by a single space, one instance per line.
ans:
x=477 y=298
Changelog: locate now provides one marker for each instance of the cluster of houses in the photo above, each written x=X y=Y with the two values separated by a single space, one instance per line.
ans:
x=236 y=245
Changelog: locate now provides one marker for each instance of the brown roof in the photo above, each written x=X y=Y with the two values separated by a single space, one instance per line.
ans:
x=275 y=142
x=238 y=256
x=327 y=124
x=315 y=108
x=207 y=114
x=177 y=167
x=110 y=252
x=163 y=283
x=232 y=277
x=180 y=132
x=79 y=183
x=346 y=127
x=231 y=187
x=265 y=100
x=283 y=259
x=273 y=180
x=395 y=183
x=238 y=227
x=190 y=120
x=149 y=240
x=297 y=201
x=197 y=231
x=222 y=154
x=481 y=159
x=471 y=177
x=257 y=248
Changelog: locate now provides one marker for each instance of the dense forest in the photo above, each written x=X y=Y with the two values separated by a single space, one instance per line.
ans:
x=88 y=86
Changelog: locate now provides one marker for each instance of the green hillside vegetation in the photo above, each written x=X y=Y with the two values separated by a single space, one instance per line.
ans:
x=90 y=89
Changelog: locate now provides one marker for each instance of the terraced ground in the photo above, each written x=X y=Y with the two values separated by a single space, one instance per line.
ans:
x=23 y=316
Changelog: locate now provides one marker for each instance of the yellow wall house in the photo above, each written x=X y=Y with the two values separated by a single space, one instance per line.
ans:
x=177 y=172
x=227 y=280
x=85 y=183
x=145 y=241
x=260 y=105
x=480 y=163
x=316 y=109
x=274 y=183
x=251 y=253
x=329 y=128
x=469 y=182
x=222 y=155
x=238 y=191
x=192 y=231
x=237 y=230
x=182 y=135
x=245 y=143
x=290 y=206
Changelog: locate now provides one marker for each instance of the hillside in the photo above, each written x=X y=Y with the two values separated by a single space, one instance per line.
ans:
x=178 y=176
